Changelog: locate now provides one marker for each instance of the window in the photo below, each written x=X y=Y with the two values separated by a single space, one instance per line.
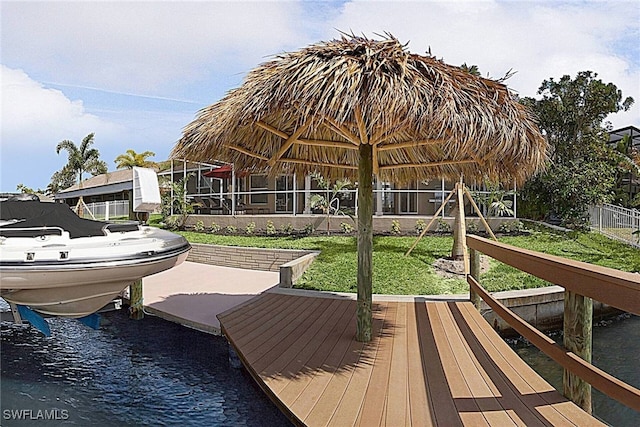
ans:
x=258 y=184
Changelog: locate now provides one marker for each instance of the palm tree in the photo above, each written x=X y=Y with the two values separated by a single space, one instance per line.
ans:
x=131 y=159
x=82 y=159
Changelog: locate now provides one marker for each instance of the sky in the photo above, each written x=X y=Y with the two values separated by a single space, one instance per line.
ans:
x=136 y=72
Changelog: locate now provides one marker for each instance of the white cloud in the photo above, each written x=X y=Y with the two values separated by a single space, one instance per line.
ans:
x=35 y=116
x=144 y=45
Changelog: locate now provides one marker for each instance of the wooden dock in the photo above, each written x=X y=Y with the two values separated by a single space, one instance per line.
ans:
x=429 y=363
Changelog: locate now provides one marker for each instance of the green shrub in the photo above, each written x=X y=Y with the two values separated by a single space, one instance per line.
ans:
x=215 y=228
x=511 y=227
x=199 y=227
x=472 y=227
x=395 y=227
x=231 y=229
x=286 y=228
x=271 y=229
x=250 y=228
x=443 y=226
x=420 y=226
x=346 y=227
x=308 y=229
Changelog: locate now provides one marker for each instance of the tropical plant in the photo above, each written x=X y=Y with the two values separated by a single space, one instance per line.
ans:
x=131 y=159
x=395 y=227
x=28 y=190
x=199 y=227
x=178 y=205
x=81 y=160
x=494 y=199
x=420 y=226
x=329 y=203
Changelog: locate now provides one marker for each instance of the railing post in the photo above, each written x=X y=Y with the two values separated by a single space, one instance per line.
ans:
x=578 y=316
x=474 y=270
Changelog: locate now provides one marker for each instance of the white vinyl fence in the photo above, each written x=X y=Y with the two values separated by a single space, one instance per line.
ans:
x=616 y=222
x=106 y=211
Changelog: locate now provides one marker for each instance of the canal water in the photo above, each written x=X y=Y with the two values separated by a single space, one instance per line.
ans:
x=154 y=372
x=127 y=373
x=616 y=347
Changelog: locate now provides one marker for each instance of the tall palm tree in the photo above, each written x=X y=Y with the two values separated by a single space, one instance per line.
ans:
x=82 y=159
x=131 y=159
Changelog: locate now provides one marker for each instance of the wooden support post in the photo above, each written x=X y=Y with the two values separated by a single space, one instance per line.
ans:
x=433 y=218
x=474 y=271
x=136 y=311
x=365 y=243
x=578 y=318
x=459 y=250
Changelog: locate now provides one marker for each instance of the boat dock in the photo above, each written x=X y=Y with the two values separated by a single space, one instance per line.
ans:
x=429 y=363
x=193 y=294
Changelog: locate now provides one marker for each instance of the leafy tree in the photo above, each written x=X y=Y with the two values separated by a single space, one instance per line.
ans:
x=60 y=180
x=131 y=159
x=81 y=159
x=582 y=168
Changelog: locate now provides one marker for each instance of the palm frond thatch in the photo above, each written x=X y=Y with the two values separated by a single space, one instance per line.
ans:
x=309 y=110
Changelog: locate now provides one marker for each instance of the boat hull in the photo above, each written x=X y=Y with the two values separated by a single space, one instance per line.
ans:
x=78 y=290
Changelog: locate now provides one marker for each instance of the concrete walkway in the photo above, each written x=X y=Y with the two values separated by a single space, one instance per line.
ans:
x=193 y=294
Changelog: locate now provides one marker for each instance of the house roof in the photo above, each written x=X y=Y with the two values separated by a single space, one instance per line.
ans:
x=633 y=132
x=111 y=182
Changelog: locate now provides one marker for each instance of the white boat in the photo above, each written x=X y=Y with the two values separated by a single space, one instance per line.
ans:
x=58 y=264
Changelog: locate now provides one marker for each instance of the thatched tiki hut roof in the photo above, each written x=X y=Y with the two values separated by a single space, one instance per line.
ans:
x=357 y=107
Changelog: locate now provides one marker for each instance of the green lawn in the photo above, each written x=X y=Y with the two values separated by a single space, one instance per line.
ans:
x=393 y=273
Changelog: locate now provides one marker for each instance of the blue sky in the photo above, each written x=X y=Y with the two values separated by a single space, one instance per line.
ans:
x=137 y=72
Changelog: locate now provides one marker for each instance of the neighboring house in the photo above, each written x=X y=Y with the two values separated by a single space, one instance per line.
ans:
x=111 y=186
x=630 y=183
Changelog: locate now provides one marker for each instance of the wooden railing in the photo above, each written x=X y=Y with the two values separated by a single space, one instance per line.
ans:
x=582 y=282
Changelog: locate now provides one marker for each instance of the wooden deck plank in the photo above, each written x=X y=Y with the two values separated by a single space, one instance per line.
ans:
x=312 y=357
x=276 y=360
x=433 y=363
x=418 y=401
x=364 y=368
x=467 y=367
x=438 y=390
x=251 y=315
x=249 y=308
x=465 y=406
x=535 y=391
x=516 y=392
x=337 y=370
x=397 y=404
x=263 y=331
x=376 y=395
x=492 y=371
x=288 y=330
x=350 y=408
